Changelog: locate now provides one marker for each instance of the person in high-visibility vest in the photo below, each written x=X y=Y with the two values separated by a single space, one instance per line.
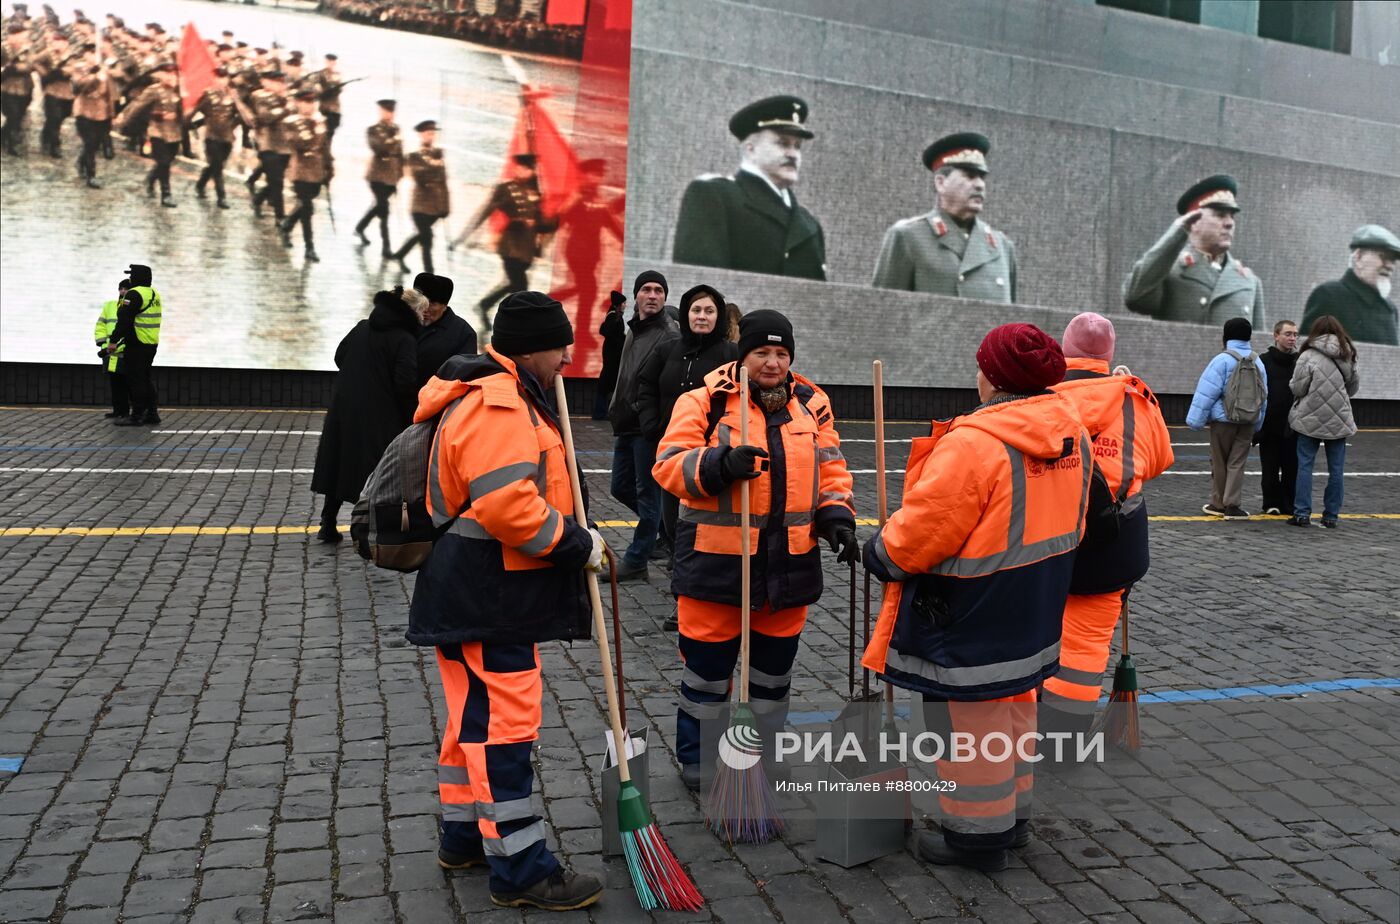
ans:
x=977 y=563
x=137 y=334
x=111 y=354
x=505 y=575
x=1131 y=447
x=800 y=492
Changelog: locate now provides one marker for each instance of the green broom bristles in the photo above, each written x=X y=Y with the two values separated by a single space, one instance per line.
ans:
x=741 y=806
x=1121 y=721
x=658 y=877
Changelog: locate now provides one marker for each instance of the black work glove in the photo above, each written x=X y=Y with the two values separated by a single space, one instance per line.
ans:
x=841 y=537
x=738 y=464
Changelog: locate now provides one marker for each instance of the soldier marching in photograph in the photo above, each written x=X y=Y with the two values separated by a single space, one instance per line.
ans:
x=518 y=200
x=328 y=86
x=219 y=113
x=430 y=201
x=385 y=171
x=16 y=85
x=94 y=103
x=160 y=106
x=53 y=67
x=311 y=168
x=270 y=113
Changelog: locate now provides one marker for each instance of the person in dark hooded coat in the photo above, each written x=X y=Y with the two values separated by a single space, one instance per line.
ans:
x=703 y=347
x=375 y=395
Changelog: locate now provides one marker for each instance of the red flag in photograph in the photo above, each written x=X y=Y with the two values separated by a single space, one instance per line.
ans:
x=196 y=67
x=556 y=167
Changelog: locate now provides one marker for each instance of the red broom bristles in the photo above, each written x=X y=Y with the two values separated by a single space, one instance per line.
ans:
x=663 y=881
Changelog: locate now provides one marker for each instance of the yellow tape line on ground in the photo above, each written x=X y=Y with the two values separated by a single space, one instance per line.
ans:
x=16 y=532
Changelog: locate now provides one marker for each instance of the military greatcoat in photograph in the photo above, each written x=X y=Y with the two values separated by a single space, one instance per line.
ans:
x=931 y=253
x=738 y=222
x=1172 y=282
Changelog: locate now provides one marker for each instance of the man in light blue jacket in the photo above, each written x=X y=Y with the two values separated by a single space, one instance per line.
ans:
x=1229 y=441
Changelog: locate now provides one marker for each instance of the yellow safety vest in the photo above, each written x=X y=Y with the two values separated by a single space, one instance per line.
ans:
x=102 y=333
x=147 y=320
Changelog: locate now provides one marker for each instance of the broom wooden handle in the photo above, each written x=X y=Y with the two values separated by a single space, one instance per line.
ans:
x=600 y=626
x=617 y=637
x=878 y=368
x=1124 y=616
x=744 y=577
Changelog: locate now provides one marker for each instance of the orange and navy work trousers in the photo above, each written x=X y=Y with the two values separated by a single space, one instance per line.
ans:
x=709 y=643
x=484 y=772
x=992 y=801
x=1069 y=698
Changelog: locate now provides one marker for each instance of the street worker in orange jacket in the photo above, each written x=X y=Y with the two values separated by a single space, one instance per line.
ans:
x=1131 y=447
x=507 y=574
x=799 y=490
x=978 y=562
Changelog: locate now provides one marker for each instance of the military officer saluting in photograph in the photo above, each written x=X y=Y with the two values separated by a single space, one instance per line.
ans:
x=159 y=106
x=751 y=221
x=218 y=109
x=951 y=250
x=385 y=171
x=430 y=200
x=1189 y=274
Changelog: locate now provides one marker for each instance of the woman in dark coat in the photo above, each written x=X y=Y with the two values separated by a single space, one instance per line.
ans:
x=374 y=399
x=703 y=347
x=614 y=333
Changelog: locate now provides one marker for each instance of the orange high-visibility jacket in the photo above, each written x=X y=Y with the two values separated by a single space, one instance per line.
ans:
x=982 y=550
x=1130 y=440
x=806 y=484
x=509 y=567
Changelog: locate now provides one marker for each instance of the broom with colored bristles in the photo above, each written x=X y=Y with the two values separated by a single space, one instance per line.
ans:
x=1121 y=716
x=741 y=806
x=659 y=878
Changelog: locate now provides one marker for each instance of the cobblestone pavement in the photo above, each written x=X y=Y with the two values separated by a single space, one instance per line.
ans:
x=227 y=725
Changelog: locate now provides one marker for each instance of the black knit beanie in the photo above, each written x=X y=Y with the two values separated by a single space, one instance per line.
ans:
x=528 y=322
x=1238 y=329
x=646 y=276
x=765 y=327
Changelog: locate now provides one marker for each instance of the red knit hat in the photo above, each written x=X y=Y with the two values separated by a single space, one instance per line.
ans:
x=1021 y=359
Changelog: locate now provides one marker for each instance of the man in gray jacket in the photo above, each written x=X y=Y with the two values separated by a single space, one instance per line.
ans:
x=950 y=250
x=653 y=327
x=1189 y=274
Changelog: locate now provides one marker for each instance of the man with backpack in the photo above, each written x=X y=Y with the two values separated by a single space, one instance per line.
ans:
x=504 y=576
x=1231 y=398
x=1131 y=447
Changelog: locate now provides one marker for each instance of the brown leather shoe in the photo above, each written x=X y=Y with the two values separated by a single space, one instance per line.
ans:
x=559 y=891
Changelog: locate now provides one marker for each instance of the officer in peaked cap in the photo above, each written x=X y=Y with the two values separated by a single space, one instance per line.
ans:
x=751 y=220
x=951 y=250
x=1361 y=299
x=1189 y=274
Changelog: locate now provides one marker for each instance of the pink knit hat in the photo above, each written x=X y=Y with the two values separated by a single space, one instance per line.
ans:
x=1089 y=336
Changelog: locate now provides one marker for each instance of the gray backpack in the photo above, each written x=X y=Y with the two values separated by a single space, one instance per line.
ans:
x=1244 y=390
x=390 y=524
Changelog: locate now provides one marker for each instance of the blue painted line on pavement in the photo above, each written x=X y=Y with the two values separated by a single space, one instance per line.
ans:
x=1270 y=689
x=120 y=449
x=11 y=764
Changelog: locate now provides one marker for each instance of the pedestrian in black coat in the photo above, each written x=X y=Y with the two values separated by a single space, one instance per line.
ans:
x=613 y=330
x=1278 y=444
x=670 y=373
x=375 y=395
x=443 y=334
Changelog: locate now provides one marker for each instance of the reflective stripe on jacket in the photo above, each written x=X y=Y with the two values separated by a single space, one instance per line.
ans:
x=509 y=567
x=982 y=551
x=105 y=322
x=1131 y=441
x=147 y=320
x=806 y=484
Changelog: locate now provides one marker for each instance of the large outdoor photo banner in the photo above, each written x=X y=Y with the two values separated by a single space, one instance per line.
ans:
x=1081 y=184
x=234 y=294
